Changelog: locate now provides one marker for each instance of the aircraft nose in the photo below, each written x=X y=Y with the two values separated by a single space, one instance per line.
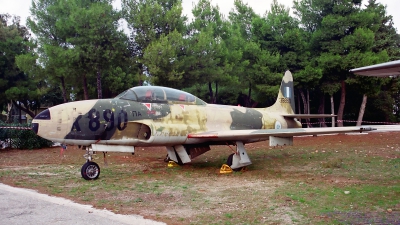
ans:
x=44 y=115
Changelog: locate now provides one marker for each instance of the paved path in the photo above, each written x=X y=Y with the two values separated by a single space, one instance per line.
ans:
x=24 y=206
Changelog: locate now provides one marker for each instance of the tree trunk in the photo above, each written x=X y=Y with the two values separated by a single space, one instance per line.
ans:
x=85 y=88
x=298 y=104
x=64 y=91
x=216 y=92
x=303 y=97
x=341 y=105
x=99 y=91
x=308 y=101
x=19 y=119
x=332 y=110
x=25 y=109
x=248 y=102
x=362 y=110
x=210 y=91
x=9 y=107
x=321 y=110
x=140 y=75
x=305 y=106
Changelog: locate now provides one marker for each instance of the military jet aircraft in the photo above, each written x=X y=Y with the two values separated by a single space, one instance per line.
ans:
x=186 y=125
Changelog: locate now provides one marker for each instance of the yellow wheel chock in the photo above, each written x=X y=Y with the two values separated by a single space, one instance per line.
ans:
x=172 y=164
x=225 y=169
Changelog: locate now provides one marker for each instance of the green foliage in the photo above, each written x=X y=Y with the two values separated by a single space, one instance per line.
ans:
x=95 y=38
x=226 y=94
x=23 y=138
x=343 y=36
x=146 y=28
x=206 y=60
x=386 y=36
x=165 y=60
x=79 y=43
x=207 y=53
x=118 y=79
x=254 y=64
x=15 y=85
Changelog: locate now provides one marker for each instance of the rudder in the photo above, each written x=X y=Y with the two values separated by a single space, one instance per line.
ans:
x=285 y=99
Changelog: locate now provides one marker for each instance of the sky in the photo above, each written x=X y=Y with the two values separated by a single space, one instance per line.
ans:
x=21 y=7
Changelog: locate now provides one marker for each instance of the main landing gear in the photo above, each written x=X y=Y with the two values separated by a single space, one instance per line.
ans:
x=229 y=162
x=90 y=170
x=178 y=155
x=236 y=161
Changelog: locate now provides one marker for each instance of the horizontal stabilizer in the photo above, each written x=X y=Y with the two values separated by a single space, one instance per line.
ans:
x=308 y=116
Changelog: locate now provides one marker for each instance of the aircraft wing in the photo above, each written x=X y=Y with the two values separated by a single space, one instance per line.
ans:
x=379 y=70
x=242 y=135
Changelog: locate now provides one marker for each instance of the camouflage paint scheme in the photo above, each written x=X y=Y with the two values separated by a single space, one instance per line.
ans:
x=159 y=116
x=119 y=121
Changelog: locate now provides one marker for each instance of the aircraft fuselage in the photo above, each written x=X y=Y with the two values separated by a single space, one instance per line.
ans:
x=124 y=122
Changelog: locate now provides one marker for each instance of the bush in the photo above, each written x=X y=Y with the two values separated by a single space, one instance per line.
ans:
x=20 y=136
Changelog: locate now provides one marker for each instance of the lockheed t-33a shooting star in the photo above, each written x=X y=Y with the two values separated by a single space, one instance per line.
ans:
x=160 y=116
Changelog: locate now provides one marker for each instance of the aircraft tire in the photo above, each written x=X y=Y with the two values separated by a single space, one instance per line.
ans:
x=90 y=171
x=229 y=162
x=167 y=159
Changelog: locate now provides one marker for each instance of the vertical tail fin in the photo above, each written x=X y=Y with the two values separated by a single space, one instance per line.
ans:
x=285 y=100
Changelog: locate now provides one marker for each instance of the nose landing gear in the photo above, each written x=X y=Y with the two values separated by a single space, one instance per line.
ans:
x=90 y=170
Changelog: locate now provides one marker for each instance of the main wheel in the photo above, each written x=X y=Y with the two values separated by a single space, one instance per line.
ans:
x=167 y=159
x=229 y=162
x=90 y=171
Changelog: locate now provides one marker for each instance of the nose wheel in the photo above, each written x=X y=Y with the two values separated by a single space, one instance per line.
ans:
x=90 y=171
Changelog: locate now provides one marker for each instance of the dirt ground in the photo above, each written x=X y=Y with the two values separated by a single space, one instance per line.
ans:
x=197 y=193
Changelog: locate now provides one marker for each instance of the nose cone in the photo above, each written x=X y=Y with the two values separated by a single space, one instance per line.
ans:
x=44 y=115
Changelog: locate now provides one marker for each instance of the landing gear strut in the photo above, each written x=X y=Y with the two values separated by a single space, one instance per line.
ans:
x=178 y=160
x=90 y=170
x=236 y=161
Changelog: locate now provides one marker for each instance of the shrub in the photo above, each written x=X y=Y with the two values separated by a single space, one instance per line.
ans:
x=20 y=136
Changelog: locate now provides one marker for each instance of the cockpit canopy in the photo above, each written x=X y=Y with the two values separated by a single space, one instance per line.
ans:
x=157 y=94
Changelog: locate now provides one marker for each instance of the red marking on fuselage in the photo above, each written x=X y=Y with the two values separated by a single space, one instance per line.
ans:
x=202 y=135
x=148 y=106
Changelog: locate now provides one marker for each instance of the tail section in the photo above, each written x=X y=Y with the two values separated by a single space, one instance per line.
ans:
x=285 y=100
x=285 y=103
